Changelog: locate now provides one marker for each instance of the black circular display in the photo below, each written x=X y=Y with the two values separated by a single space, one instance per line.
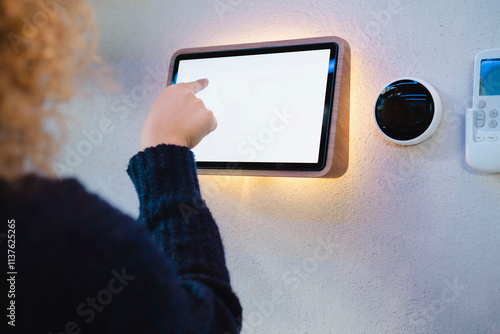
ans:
x=404 y=110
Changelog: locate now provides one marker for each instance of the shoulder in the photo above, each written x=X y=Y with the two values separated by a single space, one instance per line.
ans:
x=62 y=214
x=40 y=194
x=54 y=201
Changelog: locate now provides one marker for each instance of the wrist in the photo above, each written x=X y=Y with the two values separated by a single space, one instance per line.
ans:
x=153 y=142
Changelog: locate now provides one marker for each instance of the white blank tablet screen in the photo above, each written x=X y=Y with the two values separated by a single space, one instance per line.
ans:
x=269 y=107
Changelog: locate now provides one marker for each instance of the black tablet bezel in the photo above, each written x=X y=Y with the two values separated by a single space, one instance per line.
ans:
x=327 y=113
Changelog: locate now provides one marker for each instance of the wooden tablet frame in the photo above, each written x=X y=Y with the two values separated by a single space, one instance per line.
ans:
x=337 y=158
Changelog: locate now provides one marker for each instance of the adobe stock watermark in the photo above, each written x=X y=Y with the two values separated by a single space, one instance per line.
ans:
x=381 y=19
x=32 y=25
x=193 y=209
x=74 y=155
x=121 y=108
x=88 y=309
x=252 y=145
x=291 y=280
x=450 y=294
x=421 y=155
x=222 y=7
x=248 y=148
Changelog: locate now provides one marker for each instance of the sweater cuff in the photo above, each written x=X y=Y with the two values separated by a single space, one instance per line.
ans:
x=164 y=169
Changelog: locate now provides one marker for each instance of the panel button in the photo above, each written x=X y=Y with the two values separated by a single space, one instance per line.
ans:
x=493 y=113
x=480 y=114
x=493 y=124
x=480 y=117
x=492 y=138
x=481 y=104
x=479 y=138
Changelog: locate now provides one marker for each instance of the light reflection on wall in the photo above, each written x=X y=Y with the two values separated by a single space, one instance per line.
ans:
x=305 y=199
x=267 y=196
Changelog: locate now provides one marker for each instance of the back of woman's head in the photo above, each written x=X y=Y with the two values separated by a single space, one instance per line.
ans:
x=44 y=44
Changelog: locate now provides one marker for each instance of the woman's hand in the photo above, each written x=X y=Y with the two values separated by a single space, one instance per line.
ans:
x=178 y=117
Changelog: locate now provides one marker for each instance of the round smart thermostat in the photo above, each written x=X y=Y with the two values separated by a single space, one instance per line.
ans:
x=408 y=111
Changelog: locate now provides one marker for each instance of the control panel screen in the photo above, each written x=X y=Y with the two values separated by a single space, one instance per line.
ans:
x=490 y=77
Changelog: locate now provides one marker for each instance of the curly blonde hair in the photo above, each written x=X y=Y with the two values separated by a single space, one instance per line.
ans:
x=44 y=45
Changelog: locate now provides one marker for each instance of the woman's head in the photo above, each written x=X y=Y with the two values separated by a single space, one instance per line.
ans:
x=44 y=44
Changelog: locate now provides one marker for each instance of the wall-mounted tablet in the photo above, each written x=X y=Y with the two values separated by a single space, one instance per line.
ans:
x=282 y=107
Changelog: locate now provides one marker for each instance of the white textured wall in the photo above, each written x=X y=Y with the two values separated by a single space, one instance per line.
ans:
x=408 y=241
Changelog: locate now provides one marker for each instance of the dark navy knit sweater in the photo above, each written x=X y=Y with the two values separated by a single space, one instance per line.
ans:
x=84 y=267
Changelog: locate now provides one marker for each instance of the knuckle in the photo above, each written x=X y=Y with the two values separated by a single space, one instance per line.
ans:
x=209 y=115
x=199 y=103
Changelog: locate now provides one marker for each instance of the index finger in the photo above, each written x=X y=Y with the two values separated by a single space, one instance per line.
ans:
x=198 y=85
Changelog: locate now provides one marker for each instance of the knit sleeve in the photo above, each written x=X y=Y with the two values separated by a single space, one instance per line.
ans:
x=173 y=210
